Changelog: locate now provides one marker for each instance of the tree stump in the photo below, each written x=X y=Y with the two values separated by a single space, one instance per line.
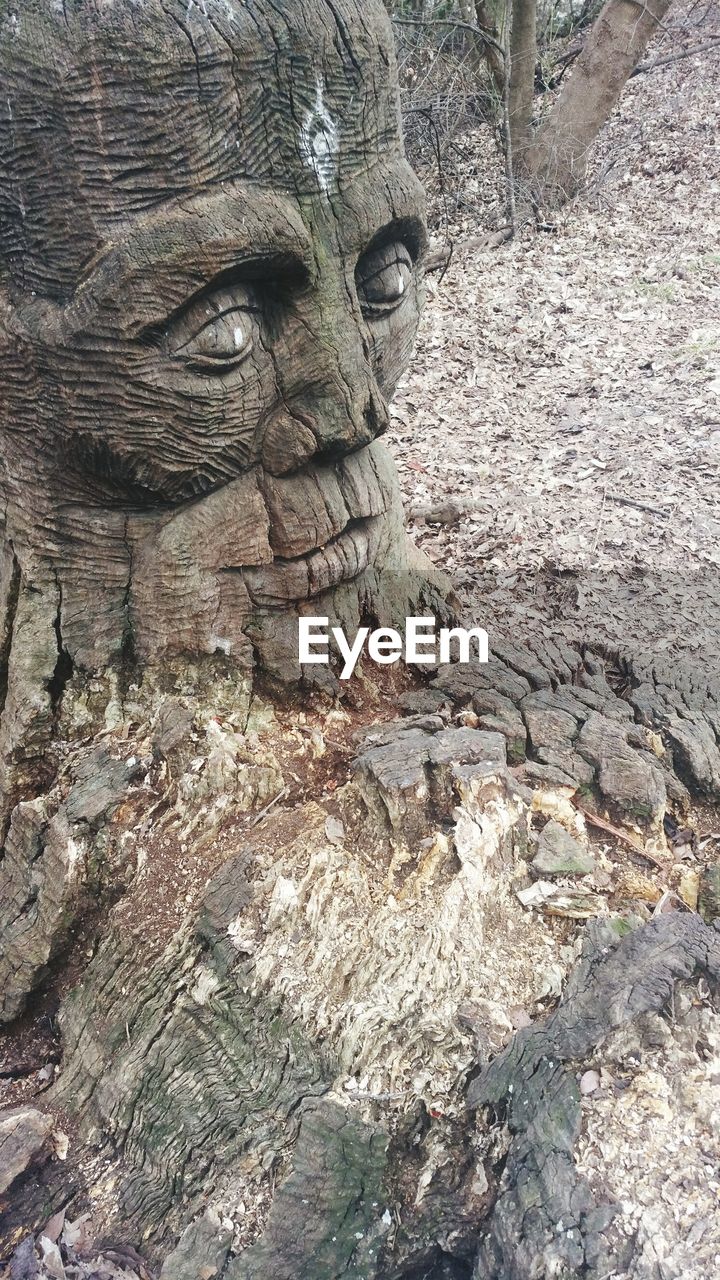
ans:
x=280 y=961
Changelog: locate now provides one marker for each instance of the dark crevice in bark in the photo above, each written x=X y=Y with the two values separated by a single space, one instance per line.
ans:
x=344 y=37
x=11 y=606
x=64 y=667
x=128 y=649
x=181 y=26
x=442 y=1266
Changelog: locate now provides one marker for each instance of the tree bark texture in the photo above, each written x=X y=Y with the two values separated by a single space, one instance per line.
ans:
x=296 y=1018
x=486 y=19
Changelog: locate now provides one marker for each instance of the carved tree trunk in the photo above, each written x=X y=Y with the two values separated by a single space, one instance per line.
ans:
x=269 y=937
x=211 y=250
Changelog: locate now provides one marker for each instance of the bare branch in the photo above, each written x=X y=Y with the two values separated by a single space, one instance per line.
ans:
x=451 y=22
x=507 y=89
x=655 y=63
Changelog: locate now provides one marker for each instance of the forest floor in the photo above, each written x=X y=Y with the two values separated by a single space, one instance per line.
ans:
x=558 y=437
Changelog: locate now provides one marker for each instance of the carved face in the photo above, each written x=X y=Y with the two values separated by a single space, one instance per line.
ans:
x=212 y=248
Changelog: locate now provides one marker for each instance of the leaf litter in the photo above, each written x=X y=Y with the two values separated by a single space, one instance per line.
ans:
x=563 y=406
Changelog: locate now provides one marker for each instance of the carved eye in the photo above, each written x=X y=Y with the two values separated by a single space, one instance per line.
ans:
x=382 y=278
x=215 y=333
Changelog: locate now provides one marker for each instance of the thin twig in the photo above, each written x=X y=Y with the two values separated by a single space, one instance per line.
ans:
x=441 y=277
x=669 y=896
x=443 y=192
x=596 y=539
x=379 y=1097
x=603 y=825
x=438 y=260
x=509 y=176
x=636 y=502
x=451 y=22
x=652 y=65
x=264 y=812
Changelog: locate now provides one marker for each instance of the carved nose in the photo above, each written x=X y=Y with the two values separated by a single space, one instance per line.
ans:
x=343 y=429
x=288 y=444
x=329 y=429
x=327 y=383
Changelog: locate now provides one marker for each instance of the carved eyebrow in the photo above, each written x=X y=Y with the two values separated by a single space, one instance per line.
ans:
x=283 y=269
x=410 y=231
x=169 y=259
x=385 y=203
x=287 y=268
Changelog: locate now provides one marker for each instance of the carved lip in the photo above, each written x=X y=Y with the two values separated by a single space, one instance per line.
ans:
x=311 y=510
x=341 y=559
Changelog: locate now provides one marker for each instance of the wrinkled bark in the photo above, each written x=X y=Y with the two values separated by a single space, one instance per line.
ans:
x=614 y=46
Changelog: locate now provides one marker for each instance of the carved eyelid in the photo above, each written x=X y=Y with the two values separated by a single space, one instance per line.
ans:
x=214 y=302
x=226 y=311
x=396 y=260
x=379 y=290
x=242 y=277
x=410 y=232
x=195 y=338
x=211 y=301
x=243 y=308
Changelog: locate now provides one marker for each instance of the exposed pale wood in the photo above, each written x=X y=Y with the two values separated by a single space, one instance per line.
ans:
x=603 y=825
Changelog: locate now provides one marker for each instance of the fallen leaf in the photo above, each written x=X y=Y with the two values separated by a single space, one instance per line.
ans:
x=61 y=1143
x=334 y=830
x=589 y=1082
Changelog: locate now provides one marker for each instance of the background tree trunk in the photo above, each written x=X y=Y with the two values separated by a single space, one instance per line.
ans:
x=557 y=159
x=485 y=15
x=522 y=44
